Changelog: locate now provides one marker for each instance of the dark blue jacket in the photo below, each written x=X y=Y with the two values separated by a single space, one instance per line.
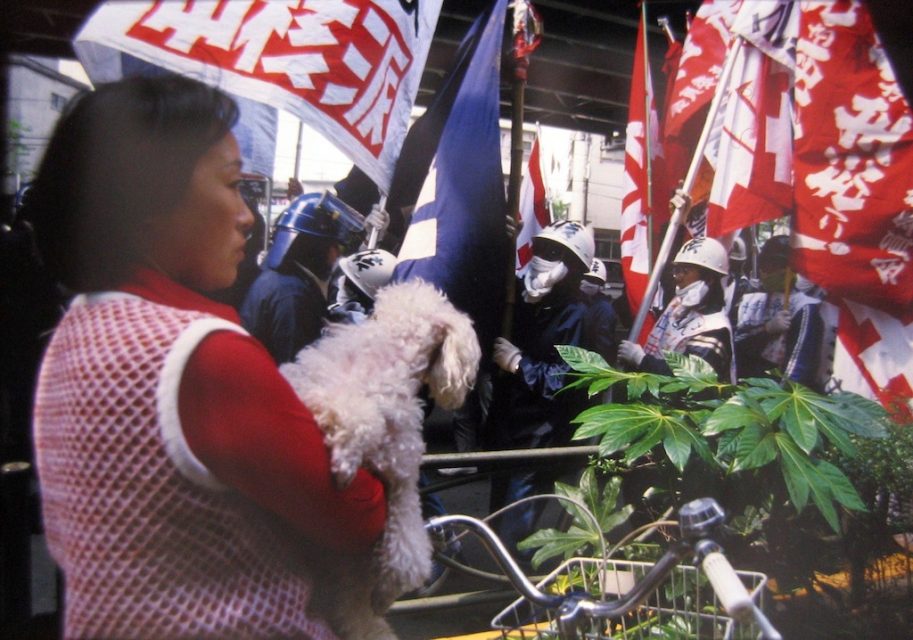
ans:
x=284 y=311
x=525 y=407
x=599 y=327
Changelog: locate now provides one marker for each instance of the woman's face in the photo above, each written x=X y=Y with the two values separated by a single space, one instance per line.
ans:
x=201 y=241
x=684 y=274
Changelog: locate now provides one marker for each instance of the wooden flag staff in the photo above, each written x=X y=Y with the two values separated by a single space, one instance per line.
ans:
x=681 y=201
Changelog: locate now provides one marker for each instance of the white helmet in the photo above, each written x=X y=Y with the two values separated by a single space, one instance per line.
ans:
x=575 y=237
x=597 y=271
x=369 y=270
x=738 y=251
x=704 y=252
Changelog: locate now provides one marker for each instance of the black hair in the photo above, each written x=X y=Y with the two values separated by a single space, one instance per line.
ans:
x=119 y=155
x=715 y=299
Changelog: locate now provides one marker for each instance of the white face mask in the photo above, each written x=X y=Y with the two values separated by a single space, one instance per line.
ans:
x=693 y=294
x=342 y=294
x=540 y=277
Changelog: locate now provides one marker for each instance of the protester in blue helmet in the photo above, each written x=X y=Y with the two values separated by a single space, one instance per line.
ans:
x=286 y=306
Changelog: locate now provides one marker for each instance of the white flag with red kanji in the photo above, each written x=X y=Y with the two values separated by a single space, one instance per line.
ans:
x=642 y=137
x=350 y=69
x=534 y=212
x=751 y=150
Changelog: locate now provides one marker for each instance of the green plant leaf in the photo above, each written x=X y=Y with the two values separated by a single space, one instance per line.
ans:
x=840 y=487
x=738 y=412
x=864 y=417
x=692 y=370
x=800 y=424
x=552 y=543
x=621 y=425
x=727 y=446
x=794 y=472
x=582 y=360
x=651 y=438
x=755 y=447
x=598 y=386
x=677 y=444
x=822 y=496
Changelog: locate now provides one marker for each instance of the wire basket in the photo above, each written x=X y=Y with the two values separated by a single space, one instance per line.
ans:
x=684 y=606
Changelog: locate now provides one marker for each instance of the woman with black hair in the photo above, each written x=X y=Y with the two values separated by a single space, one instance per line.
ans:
x=183 y=482
x=695 y=322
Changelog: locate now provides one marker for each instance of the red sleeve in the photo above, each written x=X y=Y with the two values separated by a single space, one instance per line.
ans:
x=245 y=423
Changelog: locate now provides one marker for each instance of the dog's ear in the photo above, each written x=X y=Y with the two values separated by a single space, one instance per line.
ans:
x=453 y=372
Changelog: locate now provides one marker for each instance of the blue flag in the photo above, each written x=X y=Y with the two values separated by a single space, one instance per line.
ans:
x=458 y=241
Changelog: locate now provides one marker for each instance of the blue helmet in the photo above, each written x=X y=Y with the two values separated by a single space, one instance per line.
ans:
x=322 y=215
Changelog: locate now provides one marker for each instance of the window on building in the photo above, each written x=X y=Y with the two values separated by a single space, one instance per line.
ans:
x=608 y=244
x=58 y=102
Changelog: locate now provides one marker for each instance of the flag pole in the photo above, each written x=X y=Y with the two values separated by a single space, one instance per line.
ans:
x=681 y=202
x=521 y=51
x=648 y=148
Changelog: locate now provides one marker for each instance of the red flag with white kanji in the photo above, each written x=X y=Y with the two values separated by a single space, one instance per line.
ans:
x=641 y=137
x=534 y=213
x=700 y=64
x=853 y=231
x=350 y=69
x=687 y=101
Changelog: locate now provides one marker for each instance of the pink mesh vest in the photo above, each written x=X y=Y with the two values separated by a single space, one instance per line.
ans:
x=150 y=544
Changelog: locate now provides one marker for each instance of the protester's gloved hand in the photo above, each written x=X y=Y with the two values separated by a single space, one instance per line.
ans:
x=779 y=323
x=349 y=313
x=378 y=218
x=680 y=200
x=512 y=226
x=506 y=355
x=630 y=353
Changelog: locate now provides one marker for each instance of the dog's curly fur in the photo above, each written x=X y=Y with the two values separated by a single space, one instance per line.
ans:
x=362 y=384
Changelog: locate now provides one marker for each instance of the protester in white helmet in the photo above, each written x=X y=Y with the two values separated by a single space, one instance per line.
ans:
x=363 y=274
x=695 y=322
x=736 y=284
x=601 y=320
x=527 y=411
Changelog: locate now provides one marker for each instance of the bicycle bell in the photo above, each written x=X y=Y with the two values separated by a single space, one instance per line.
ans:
x=697 y=518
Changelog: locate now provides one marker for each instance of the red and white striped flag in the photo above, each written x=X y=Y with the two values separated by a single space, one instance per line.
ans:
x=534 y=213
x=873 y=354
x=642 y=137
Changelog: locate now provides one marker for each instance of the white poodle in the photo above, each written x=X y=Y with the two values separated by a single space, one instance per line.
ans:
x=362 y=383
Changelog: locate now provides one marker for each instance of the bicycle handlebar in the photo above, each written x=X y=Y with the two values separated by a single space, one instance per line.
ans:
x=502 y=556
x=698 y=519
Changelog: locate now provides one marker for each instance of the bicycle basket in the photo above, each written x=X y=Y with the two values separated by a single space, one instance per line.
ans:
x=684 y=606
